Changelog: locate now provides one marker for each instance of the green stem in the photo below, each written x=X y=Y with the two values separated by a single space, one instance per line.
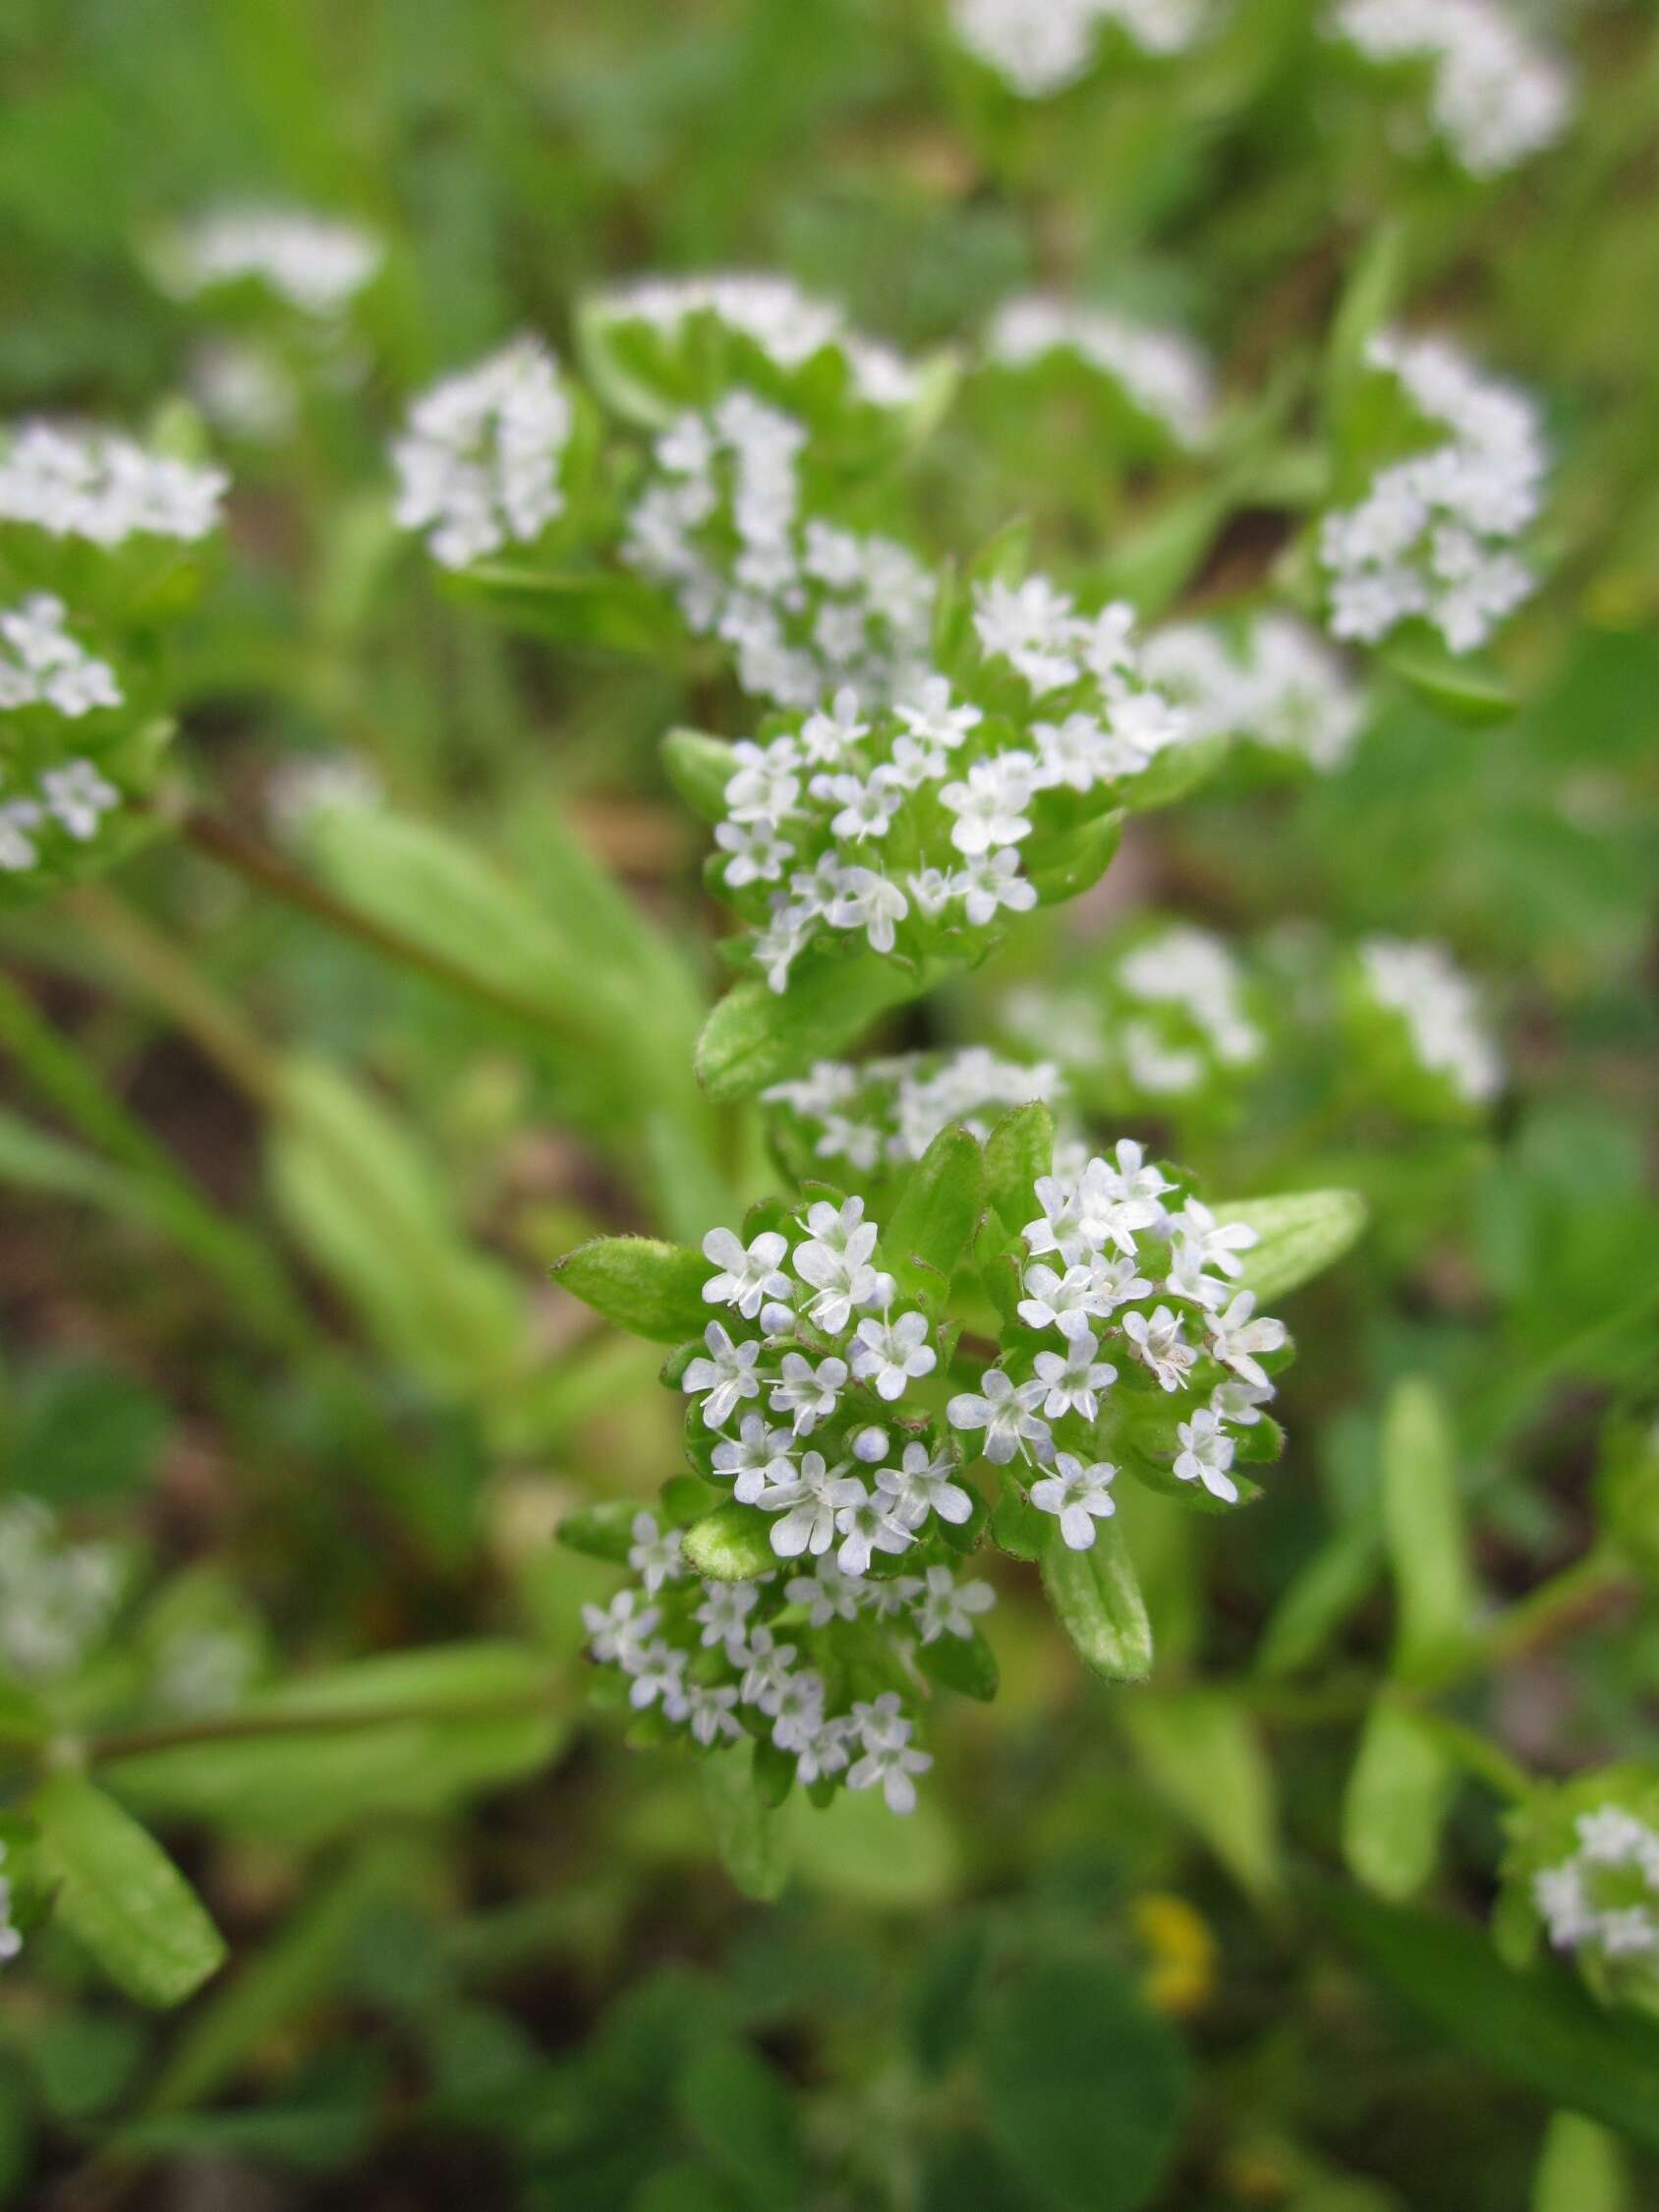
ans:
x=1477 y=1755
x=249 y=1727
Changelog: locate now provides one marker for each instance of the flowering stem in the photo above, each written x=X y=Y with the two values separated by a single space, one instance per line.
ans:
x=256 y=865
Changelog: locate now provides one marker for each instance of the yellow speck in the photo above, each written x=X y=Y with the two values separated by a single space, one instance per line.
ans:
x=1181 y=1969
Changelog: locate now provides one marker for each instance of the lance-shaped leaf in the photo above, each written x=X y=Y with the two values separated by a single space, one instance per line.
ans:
x=1098 y=1602
x=1203 y=1752
x=1061 y=867
x=1464 y=687
x=964 y=1663
x=1297 y=1235
x=1423 y=1531
x=937 y=1214
x=1018 y=1150
x=653 y=1288
x=602 y=1532
x=120 y=1893
x=1581 y=2169
x=1397 y=1797
x=699 y=767
x=756 y=1036
x=751 y=1839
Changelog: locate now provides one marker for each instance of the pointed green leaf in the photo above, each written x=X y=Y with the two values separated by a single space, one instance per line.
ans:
x=1202 y=1751
x=1583 y=2169
x=119 y=1892
x=733 y=1543
x=653 y=1288
x=1423 y=1531
x=699 y=767
x=600 y=1532
x=937 y=1214
x=1397 y=1797
x=1061 y=867
x=1018 y=1150
x=1297 y=1236
x=756 y=1036
x=964 y=1663
x=1462 y=687
x=752 y=1841
x=1098 y=1602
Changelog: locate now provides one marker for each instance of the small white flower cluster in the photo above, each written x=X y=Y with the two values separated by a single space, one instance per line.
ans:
x=56 y=1599
x=863 y=819
x=804 y=604
x=299 y=791
x=11 y=1939
x=1169 y=1017
x=73 y=799
x=1278 y=685
x=42 y=665
x=789 y=326
x=880 y=1114
x=95 y=484
x=1604 y=1897
x=315 y=263
x=1038 y=47
x=1159 y=372
x=204 y=1670
x=479 y=465
x=243 y=389
x=1440 y=1012
x=1186 y=1331
x=713 y=1656
x=1497 y=97
x=1433 y=536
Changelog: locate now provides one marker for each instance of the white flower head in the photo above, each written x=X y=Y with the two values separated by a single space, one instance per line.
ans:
x=1079 y=1496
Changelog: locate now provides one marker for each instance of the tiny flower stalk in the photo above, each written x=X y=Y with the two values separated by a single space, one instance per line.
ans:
x=807 y=1587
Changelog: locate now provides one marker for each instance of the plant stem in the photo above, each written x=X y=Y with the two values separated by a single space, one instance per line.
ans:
x=255 y=863
x=1477 y=1755
x=246 y=1727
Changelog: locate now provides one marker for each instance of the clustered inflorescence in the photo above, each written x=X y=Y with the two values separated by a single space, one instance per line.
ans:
x=1161 y=373
x=1433 y=539
x=55 y=1597
x=1440 y=1010
x=1277 y=685
x=823 y=1399
x=95 y=484
x=1497 y=97
x=1038 y=47
x=881 y=1115
x=898 y=824
x=47 y=677
x=804 y=604
x=315 y=263
x=1604 y=1898
x=480 y=464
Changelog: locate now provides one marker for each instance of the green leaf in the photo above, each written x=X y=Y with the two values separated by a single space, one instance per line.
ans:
x=1540 y=2028
x=756 y=1036
x=1061 y=867
x=1098 y=1602
x=1423 y=1531
x=937 y=1214
x=594 y=607
x=1018 y=1150
x=1369 y=299
x=1460 y=686
x=1320 y=1597
x=751 y=1838
x=1397 y=1797
x=121 y=1895
x=733 y=1543
x=1582 y=2170
x=1084 y=2087
x=964 y=1663
x=642 y=1284
x=1202 y=1751
x=604 y=1531
x=1297 y=1236
x=738 y=2108
x=700 y=768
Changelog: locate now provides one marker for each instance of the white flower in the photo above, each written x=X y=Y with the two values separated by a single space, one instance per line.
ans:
x=869 y=901
x=1074 y=1378
x=41 y=664
x=1219 y=1243
x=1004 y=1412
x=747 y=1277
x=829 y=732
x=991 y=881
x=948 y=1609
x=1440 y=1010
x=723 y=1614
x=479 y=465
x=77 y=797
x=892 y=1353
x=97 y=484
x=655 y=1553
x=891 y=1765
x=1236 y=1339
x=828 y=1593
x=1205 y=1455
x=315 y=263
x=766 y=1669
x=727 y=1375
x=1115 y=1282
x=1161 y=372
x=808 y=1394
x=1079 y=1496
x=989 y=807
x=867 y=806
x=930 y=715
x=614 y=1630
x=655 y=1670
x=809 y=1506
x=1060 y=1226
x=867 y=1525
x=709 y=1709
x=825 y=1752
x=1059 y=1302
x=1239 y=1403
x=758 y=852
x=1497 y=97
x=798 y=1710
x=759 y=1455
x=922 y=1485
x=839 y=1269
x=1155 y=1340
x=870 y=1444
